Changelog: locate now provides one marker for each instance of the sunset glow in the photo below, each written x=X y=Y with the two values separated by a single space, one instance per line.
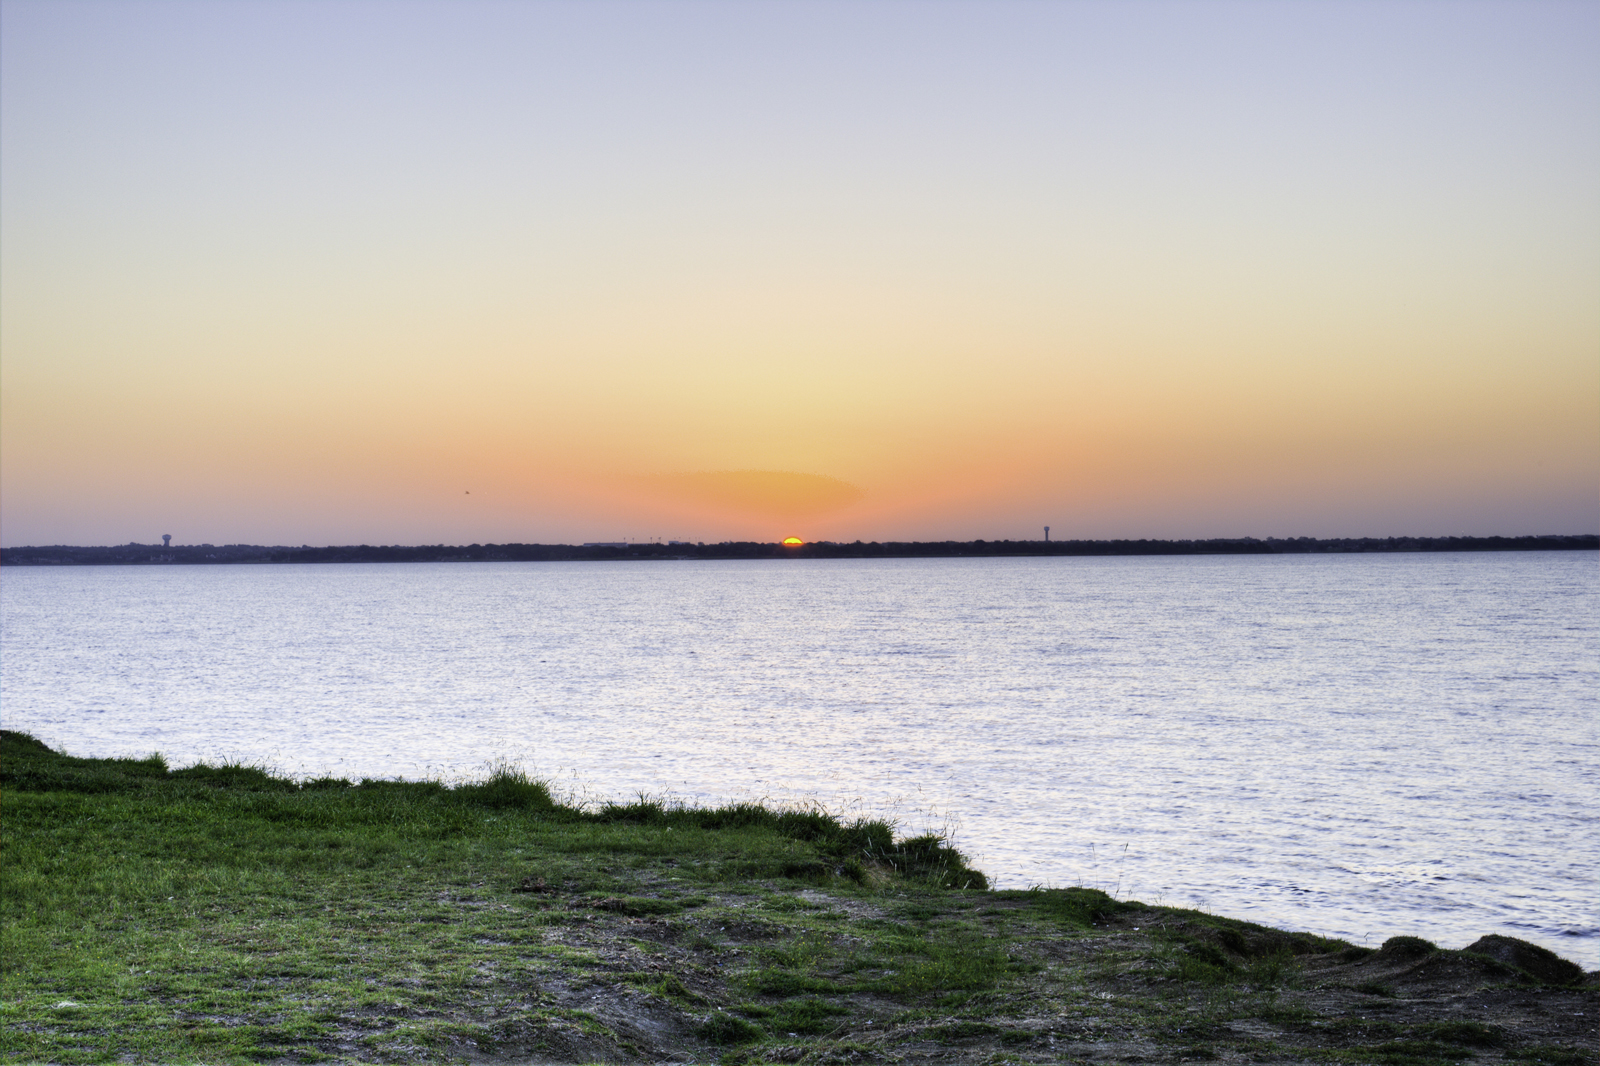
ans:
x=475 y=272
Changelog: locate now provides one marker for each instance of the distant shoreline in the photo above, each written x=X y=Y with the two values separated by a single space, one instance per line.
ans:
x=136 y=554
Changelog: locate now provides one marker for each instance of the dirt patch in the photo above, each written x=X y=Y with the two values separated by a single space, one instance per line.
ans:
x=728 y=982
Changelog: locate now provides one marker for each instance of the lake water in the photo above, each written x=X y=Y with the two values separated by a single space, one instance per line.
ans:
x=1361 y=746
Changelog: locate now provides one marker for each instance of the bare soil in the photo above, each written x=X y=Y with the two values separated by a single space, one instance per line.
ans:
x=650 y=988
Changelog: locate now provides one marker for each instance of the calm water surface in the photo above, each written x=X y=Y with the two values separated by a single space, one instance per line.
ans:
x=1362 y=746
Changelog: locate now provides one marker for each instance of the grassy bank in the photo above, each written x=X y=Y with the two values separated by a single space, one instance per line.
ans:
x=222 y=914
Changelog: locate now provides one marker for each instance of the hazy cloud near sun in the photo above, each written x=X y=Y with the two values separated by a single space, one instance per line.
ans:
x=763 y=495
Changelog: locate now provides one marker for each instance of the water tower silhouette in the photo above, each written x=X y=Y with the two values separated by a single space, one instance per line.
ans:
x=166 y=540
x=1047 y=534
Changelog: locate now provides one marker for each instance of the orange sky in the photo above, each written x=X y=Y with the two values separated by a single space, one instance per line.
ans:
x=280 y=273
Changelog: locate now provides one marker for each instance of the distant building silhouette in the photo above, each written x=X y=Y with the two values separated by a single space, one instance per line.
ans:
x=166 y=540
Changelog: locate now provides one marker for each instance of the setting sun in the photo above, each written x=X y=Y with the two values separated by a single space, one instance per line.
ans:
x=792 y=542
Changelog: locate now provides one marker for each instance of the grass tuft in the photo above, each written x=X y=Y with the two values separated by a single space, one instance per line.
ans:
x=724 y=1028
x=507 y=788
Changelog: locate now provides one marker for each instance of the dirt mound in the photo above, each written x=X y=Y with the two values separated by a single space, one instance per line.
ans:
x=1409 y=966
x=1541 y=963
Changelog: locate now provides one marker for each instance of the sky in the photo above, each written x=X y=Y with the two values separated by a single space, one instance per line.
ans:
x=342 y=272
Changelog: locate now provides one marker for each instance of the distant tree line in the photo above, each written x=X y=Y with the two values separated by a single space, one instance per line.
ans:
x=207 y=554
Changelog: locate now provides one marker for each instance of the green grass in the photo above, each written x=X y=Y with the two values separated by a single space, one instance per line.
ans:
x=222 y=914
